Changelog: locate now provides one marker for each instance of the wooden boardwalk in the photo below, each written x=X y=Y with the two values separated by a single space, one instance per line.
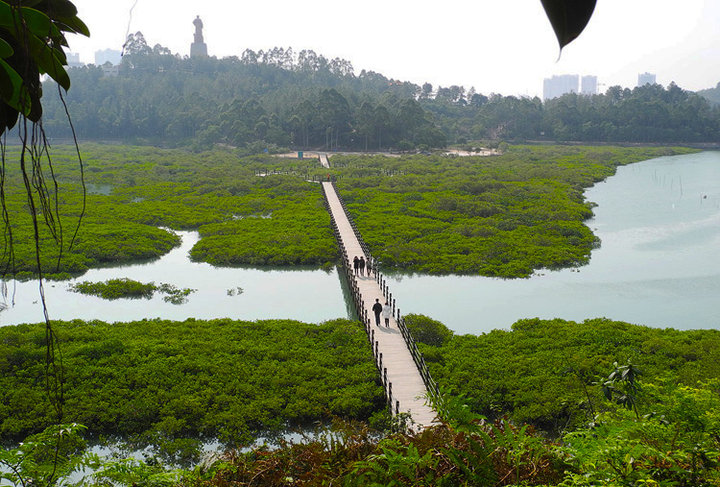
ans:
x=403 y=373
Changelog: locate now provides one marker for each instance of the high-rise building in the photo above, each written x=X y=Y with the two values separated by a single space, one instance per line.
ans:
x=646 y=79
x=198 y=48
x=107 y=56
x=589 y=85
x=559 y=85
x=73 y=59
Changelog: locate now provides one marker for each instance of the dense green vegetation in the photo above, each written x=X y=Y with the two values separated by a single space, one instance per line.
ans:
x=115 y=289
x=650 y=113
x=712 y=94
x=275 y=98
x=677 y=445
x=129 y=288
x=495 y=216
x=653 y=421
x=282 y=98
x=174 y=384
x=544 y=372
x=243 y=218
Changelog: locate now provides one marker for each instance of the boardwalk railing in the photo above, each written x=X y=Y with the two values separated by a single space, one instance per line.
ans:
x=430 y=384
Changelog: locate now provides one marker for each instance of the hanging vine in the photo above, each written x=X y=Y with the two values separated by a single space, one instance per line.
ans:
x=32 y=36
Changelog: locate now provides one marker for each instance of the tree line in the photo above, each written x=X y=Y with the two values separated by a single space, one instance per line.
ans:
x=303 y=100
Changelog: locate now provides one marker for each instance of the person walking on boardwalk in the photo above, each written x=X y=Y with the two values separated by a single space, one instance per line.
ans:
x=387 y=313
x=368 y=266
x=356 y=264
x=362 y=265
x=377 y=309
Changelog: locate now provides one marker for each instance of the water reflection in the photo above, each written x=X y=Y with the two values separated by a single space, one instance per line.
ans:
x=310 y=295
x=659 y=222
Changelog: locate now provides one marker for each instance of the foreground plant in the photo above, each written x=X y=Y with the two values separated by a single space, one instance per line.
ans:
x=44 y=458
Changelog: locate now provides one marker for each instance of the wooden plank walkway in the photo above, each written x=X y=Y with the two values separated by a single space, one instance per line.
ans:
x=399 y=370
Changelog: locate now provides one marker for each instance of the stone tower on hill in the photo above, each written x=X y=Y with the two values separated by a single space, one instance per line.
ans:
x=198 y=48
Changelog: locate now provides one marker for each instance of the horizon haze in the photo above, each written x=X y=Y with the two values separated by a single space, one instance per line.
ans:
x=494 y=47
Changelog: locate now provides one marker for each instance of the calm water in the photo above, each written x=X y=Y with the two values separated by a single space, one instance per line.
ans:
x=307 y=295
x=659 y=263
x=659 y=222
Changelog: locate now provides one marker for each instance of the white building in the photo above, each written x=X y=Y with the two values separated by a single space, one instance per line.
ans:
x=107 y=56
x=559 y=85
x=646 y=79
x=73 y=59
x=589 y=85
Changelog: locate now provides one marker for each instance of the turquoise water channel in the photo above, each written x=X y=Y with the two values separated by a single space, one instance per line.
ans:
x=658 y=265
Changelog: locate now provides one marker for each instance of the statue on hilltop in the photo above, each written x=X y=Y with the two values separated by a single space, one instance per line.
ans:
x=198 y=30
x=198 y=48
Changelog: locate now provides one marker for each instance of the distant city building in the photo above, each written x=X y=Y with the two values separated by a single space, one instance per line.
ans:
x=107 y=56
x=559 y=85
x=198 y=48
x=73 y=59
x=646 y=79
x=589 y=85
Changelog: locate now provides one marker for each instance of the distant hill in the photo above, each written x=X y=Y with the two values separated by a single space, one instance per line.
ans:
x=712 y=94
x=304 y=100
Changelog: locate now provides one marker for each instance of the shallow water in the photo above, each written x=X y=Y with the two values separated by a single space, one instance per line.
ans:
x=659 y=222
x=658 y=265
x=309 y=295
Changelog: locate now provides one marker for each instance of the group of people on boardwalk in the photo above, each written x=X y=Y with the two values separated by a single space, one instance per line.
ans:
x=361 y=266
x=386 y=311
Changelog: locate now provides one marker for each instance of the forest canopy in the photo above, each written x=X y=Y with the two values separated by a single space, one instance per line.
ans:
x=279 y=97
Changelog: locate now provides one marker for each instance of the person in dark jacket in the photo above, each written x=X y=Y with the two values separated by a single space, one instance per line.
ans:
x=377 y=309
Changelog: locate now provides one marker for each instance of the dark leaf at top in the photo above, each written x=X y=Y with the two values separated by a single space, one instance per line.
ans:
x=568 y=17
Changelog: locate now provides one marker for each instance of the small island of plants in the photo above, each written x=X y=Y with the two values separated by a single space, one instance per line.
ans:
x=125 y=288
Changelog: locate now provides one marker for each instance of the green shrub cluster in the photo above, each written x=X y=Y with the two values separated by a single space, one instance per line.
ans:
x=546 y=372
x=254 y=210
x=160 y=380
x=675 y=444
x=503 y=216
x=115 y=289
x=128 y=288
x=500 y=216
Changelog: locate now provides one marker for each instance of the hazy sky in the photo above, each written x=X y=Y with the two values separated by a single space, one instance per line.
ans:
x=500 y=46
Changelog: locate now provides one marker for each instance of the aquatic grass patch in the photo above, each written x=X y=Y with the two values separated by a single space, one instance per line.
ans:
x=158 y=380
x=551 y=380
x=499 y=216
x=146 y=188
x=124 y=288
